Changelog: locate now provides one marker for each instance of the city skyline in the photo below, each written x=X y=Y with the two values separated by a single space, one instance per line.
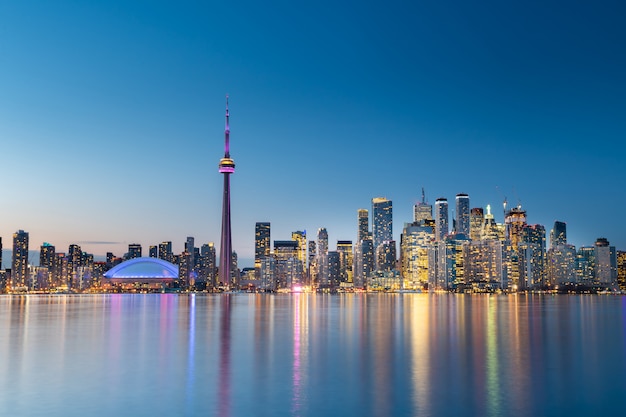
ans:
x=114 y=124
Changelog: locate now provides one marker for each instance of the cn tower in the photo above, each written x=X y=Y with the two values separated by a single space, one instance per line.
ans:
x=227 y=167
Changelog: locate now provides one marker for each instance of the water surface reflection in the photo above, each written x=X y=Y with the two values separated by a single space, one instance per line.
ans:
x=309 y=355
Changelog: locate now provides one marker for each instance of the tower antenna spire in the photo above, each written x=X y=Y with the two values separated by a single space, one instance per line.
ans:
x=423 y=196
x=227 y=133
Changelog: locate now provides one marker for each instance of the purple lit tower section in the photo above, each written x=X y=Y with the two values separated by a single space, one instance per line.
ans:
x=227 y=167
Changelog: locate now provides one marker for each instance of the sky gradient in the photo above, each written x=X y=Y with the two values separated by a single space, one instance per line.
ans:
x=112 y=116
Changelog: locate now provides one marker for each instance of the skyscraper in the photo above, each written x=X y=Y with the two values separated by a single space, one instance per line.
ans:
x=322 y=256
x=363 y=225
x=463 y=214
x=422 y=211
x=226 y=167
x=477 y=219
x=153 y=251
x=515 y=220
x=165 y=251
x=19 y=264
x=134 y=250
x=344 y=249
x=262 y=246
x=606 y=263
x=441 y=218
x=382 y=221
x=558 y=235
x=300 y=237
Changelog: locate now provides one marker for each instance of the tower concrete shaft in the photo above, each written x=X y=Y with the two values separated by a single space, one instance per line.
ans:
x=226 y=167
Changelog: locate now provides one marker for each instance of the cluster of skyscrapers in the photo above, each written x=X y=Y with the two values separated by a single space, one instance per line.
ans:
x=470 y=253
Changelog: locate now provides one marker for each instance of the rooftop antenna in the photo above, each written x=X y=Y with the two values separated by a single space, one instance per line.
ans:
x=423 y=196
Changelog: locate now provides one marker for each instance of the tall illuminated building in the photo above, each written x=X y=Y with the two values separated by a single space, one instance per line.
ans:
x=19 y=264
x=441 y=218
x=165 y=251
x=153 y=251
x=463 y=214
x=344 y=249
x=262 y=246
x=190 y=247
x=586 y=265
x=414 y=243
x=621 y=269
x=515 y=220
x=322 y=256
x=134 y=250
x=477 y=219
x=363 y=262
x=382 y=221
x=422 y=211
x=363 y=225
x=312 y=267
x=226 y=167
x=207 y=264
x=47 y=258
x=300 y=237
x=533 y=256
x=334 y=269
x=558 y=234
x=491 y=230
x=288 y=270
x=606 y=263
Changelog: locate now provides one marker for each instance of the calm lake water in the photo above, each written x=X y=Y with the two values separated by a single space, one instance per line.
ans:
x=312 y=355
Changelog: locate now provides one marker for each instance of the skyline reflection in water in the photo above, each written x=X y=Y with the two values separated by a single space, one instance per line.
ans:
x=308 y=355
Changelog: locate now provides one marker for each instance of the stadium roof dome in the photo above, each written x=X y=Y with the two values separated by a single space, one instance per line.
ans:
x=141 y=269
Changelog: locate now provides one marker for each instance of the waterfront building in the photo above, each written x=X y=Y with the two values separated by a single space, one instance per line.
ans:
x=533 y=256
x=190 y=247
x=463 y=214
x=621 y=269
x=146 y=273
x=515 y=220
x=363 y=262
x=491 y=230
x=19 y=263
x=262 y=247
x=300 y=238
x=483 y=264
x=561 y=265
x=334 y=270
x=346 y=259
x=605 y=263
x=312 y=267
x=322 y=256
x=208 y=268
x=47 y=259
x=165 y=252
x=134 y=251
x=288 y=270
x=226 y=167
x=446 y=263
x=477 y=219
x=386 y=256
x=363 y=224
x=422 y=210
x=586 y=265
x=558 y=234
x=268 y=283
x=441 y=218
x=382 y=221
x=414 y=243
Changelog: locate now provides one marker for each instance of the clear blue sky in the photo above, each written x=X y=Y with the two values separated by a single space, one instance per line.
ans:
x=111 y=115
